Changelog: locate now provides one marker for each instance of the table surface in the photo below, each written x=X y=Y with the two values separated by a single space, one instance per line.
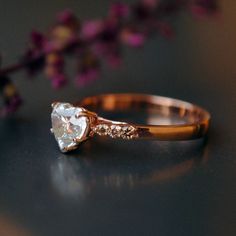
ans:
x=110 y=187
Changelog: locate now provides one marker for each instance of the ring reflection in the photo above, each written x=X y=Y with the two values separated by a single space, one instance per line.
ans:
x=103 y=166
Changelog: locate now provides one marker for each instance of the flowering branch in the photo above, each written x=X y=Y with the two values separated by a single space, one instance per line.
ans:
x=92 y=42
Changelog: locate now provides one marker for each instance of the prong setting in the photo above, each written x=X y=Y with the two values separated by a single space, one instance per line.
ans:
x=54 y=104
x=70 y=125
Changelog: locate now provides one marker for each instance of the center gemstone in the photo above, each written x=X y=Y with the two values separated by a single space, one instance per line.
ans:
x=69 y=125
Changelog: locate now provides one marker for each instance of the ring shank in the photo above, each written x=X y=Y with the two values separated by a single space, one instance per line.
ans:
x=197 y=118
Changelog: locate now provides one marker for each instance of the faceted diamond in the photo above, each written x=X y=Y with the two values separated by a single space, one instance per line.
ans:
x=68 y=126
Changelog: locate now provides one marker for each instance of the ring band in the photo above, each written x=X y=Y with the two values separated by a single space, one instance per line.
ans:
x=73 y=124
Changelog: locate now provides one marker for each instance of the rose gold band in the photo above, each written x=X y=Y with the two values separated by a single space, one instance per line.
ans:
x=196 y=118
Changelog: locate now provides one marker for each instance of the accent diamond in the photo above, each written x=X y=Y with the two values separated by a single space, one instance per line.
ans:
x=69 y=125
x=123 y=130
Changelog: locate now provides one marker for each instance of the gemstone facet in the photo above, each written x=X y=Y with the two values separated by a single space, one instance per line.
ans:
x=69 y=125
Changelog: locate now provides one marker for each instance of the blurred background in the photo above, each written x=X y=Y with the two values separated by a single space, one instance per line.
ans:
x=110 y=187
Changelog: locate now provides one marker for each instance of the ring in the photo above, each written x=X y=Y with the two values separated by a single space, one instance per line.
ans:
x=73 y=124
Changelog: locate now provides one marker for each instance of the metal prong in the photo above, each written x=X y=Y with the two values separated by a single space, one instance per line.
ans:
x=68 y=149
x=64 y=150
x=77 y=115
x=54 y=104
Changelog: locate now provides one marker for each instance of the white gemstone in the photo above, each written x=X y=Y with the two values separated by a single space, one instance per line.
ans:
x=68 y=126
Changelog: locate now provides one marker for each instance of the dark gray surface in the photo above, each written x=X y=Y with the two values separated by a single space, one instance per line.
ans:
x=113 y=187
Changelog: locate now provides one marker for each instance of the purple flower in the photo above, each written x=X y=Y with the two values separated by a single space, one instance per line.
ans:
x=133 y=39
x=55 y=59
x=38 y=40
x=96 y=40
x=13 y=104
x=90 y=29
x=118 y=10
x=66 y=17
x=58 y=80
x=87 y=76
x=12 y=99
x=54 y=70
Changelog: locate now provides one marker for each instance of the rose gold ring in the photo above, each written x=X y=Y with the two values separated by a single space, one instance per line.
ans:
x=74 y=124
